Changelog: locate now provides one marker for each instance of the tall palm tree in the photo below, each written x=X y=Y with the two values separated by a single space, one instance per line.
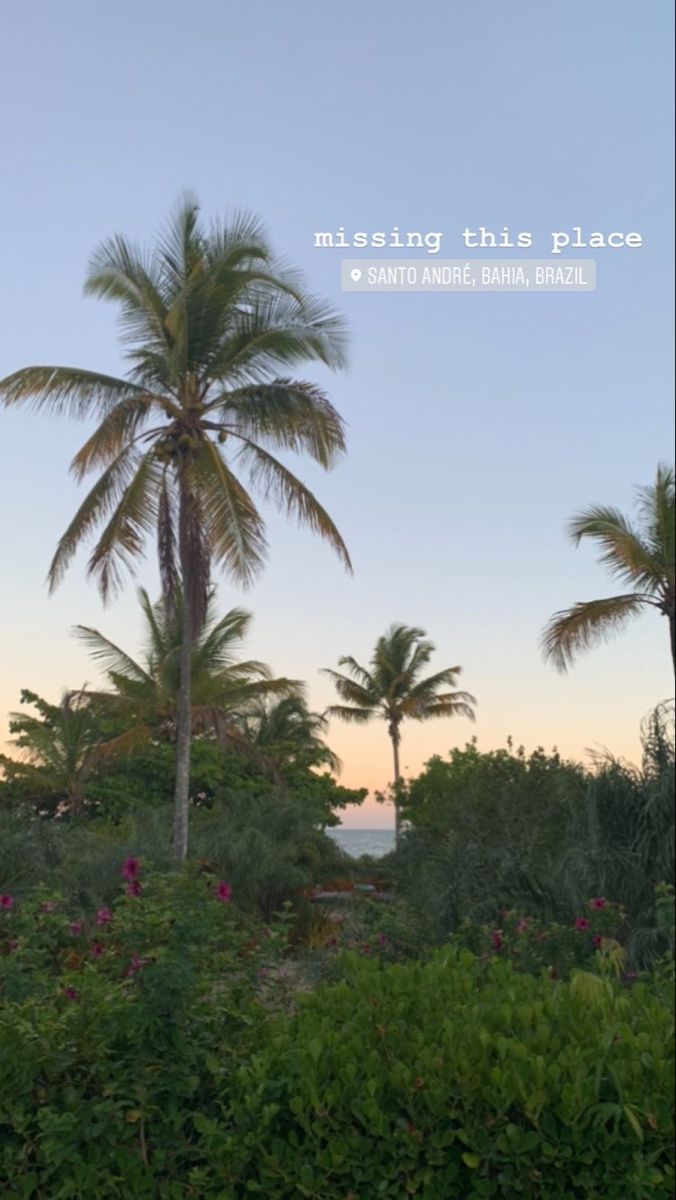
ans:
x=393 y=690
x=639 y=556
x=288 y=733
x=212 y=325
x=145 y=693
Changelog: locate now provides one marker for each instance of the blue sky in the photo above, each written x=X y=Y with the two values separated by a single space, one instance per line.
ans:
x=477 y=425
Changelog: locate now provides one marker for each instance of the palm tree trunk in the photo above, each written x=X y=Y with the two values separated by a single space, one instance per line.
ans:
x=183 y=713
x=672 y=632
x=394 y=734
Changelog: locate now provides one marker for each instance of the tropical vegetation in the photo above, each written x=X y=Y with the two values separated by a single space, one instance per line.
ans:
x=393 y=690
x=210 y=323
x=202 y=997
x=641 y=557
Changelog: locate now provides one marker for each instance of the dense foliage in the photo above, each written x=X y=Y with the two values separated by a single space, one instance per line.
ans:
x=501 y=831
x=145 y=1053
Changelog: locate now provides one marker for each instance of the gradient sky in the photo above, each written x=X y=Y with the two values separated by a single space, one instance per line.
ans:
x=477 y=425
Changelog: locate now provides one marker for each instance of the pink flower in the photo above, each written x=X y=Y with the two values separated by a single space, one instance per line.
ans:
x=48 y=906
x=382 y=939
x=522 y=925
x=365 y=949
x=6 y=901
x=136 y=964
x=75 y=928
x=581 y=924
x=12 y=945
x=599 y=903
x=496 y=939
x=104 y=916
x=96 y=950
x=130 y=868
x=71 y=993
x=597 y=941
x=223 y=892
x=134 y=888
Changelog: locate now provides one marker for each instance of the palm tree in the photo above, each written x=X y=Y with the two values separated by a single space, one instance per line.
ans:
x=641 y=557
x=393 y=690
x=57 y=750
x=289 y=734
x=212 y=324
x=145 y=694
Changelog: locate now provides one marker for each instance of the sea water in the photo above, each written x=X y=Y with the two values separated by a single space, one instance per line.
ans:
x=356 y=842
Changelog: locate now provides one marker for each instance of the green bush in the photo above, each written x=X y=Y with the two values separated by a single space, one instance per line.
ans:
x=456 y=1080
x=143 y=1056
x=268 y=845
x=118 y=1034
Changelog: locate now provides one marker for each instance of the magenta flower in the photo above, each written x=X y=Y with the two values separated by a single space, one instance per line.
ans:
x=6 y=901
x=223 y=892
x=12 y=945
x=597 y=941
x=75 y=928
x=71 y=993
x=134 y=888
x=104 y=916
x=496 y=939
x=96 y=950
x=366 y=949
x=599 y=903
x=48 y=906
x=522 y=925
x=582 y=924
x=130 y=868
x=382 y=939
x=136 y=964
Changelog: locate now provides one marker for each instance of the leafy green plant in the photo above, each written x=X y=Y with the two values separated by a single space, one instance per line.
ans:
x=118 y=1030
x=455 y=1080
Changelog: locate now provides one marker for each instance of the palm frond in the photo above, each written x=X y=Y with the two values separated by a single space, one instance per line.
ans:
x=351 y=713
x=122 y=540
x=99 y=501
x=288 y=414
x=66 y=391
x=284 y=488
x=111 y=658
x=233 y=525
x=623 y=552
x=576 y=629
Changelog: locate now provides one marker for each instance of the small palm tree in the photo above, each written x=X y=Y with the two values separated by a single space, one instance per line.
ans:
x=212 y=326
x=57 y=750
x=145 y=694
x=393 y=690
x=289 y=734
x=641 y=557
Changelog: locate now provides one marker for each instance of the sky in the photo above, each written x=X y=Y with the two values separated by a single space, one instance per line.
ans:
x=477 y=425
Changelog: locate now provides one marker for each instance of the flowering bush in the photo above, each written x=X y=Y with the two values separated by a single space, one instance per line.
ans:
x=118 y=1030
x=592 y=939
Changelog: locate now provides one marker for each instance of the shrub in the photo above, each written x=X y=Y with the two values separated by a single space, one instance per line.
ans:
x=456 y=1080
x=117 y=1034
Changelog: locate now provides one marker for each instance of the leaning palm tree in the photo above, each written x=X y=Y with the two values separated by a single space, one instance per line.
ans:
x=212 y=326
x=143 y=697
x=393 y=690
x=639 y=556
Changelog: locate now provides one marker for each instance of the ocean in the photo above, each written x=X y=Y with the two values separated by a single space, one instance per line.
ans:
x=356 y=842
